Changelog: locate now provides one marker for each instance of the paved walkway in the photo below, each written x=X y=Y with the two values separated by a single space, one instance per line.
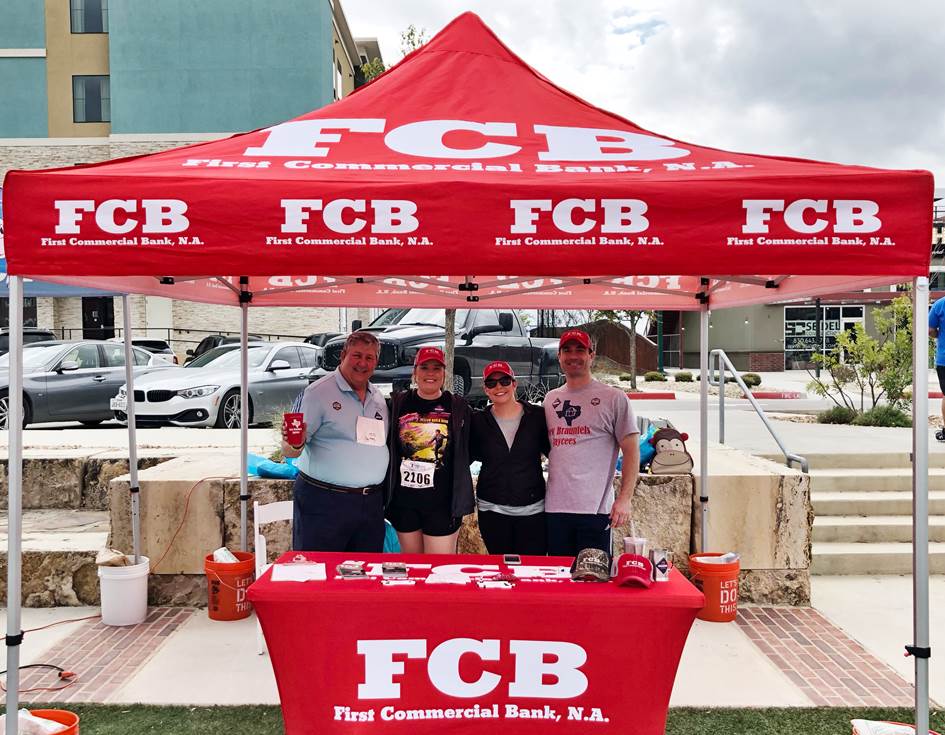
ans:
x=846 y=650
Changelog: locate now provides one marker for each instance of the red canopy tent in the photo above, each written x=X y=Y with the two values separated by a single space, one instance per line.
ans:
x=463 y=177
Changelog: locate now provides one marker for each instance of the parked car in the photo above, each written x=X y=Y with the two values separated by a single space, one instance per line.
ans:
x=206 y=391
x=72 y=381
x=215 y=340
x=482 y=335
x=30 y=335
x=154 y=346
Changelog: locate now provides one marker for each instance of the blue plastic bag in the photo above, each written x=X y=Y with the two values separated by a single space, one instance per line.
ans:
x=264 y=467
x=391 y=542
x=647 y=450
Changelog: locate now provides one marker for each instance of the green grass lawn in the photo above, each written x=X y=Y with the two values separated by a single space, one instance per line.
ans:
x=97 y=719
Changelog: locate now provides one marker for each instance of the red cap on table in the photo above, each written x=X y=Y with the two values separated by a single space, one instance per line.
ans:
x=575 y=335
x=499 y=366
x=425 y=354
x=633 y=569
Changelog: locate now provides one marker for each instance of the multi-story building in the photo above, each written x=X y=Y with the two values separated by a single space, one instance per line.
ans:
x=89 y=80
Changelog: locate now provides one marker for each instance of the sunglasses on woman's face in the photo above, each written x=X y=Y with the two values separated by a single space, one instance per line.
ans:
x=505 y=381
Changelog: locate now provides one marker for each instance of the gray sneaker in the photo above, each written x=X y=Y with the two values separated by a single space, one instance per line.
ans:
x=940 y=435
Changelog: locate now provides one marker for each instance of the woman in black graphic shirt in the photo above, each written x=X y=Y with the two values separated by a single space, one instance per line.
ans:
x=431 y=488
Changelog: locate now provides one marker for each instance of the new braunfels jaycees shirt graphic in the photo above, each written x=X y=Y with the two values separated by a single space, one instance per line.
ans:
x=585 y=427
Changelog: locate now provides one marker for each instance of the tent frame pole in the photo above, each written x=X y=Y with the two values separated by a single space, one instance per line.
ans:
x=920 y=500
x=704 y=423
x=134 y=488
x=245 y=296
x=14 y=637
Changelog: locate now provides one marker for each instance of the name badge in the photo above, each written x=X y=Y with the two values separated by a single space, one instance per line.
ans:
x=417 y=475
x=371 y=432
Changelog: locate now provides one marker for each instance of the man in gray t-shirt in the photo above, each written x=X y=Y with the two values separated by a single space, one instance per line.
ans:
x=588 y=423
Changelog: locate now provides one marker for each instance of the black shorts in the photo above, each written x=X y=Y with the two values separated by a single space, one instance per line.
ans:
x=432 y=521
x=940 y=369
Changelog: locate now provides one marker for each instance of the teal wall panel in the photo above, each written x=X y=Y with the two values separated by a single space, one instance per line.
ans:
x=216 y=65
x=22 y=24
x=23 y=111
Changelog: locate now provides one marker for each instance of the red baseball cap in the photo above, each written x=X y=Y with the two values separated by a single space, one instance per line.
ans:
x=498 y=366
x=575 y=335
x=633 y=569
x=425 y=354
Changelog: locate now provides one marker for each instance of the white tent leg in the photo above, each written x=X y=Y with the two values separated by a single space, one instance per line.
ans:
x=132 y=438
x=15 y=503
x=920 y=500
x=704 y=423
x=244 y=417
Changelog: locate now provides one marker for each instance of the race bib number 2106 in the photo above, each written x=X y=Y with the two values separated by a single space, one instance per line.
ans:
x=417 y=475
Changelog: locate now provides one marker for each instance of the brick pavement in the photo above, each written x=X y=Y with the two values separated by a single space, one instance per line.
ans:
x=102 y=656
x=826 y=664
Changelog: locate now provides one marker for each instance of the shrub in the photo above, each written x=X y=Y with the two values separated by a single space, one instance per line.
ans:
x=836 y=415
x=627 y=377
x=883 y=415
x=684 y=377
x=751 y=379
x=653 y=376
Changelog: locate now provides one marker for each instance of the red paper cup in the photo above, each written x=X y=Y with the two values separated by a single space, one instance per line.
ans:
x=294 y=433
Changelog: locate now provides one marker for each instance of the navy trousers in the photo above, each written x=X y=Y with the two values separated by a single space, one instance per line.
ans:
x=324 y=520
x=568 y=533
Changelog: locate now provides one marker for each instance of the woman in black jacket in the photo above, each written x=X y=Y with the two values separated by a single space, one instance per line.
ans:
x=509 y=438
x=428 y=478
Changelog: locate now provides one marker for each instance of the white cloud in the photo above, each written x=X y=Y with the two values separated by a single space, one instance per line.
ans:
x=854 y=81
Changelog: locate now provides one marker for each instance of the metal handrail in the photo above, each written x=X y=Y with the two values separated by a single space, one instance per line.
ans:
x=721 y=364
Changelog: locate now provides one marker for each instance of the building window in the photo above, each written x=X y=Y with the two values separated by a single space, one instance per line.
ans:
x=339 y=84
x=89 y=16
x=29 y=312
x=91 y=99
x=800 y=331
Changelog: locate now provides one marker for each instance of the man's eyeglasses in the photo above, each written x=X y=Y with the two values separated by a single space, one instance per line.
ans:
x=505 y=381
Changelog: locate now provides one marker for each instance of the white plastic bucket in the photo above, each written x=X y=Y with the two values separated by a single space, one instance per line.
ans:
x=125 y=592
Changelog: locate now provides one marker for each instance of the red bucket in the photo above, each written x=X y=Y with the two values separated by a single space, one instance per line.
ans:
x=63 y=717
x=227 y=583
x=719 y=584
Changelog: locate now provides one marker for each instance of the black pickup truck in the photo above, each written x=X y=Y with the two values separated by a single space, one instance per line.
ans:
x=482 y=335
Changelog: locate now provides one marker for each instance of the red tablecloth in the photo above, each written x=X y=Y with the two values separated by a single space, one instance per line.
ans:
x=543 y=657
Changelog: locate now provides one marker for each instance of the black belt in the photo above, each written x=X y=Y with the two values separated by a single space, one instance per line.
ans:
x=366 y=490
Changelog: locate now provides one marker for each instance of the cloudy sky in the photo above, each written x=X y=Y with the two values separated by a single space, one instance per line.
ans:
x=853 y=81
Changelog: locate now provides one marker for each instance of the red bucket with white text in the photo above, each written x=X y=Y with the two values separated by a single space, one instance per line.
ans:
x=719 y=583
x=227 y=583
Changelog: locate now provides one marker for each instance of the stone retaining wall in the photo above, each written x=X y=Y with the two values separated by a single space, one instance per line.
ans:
x=73 y=479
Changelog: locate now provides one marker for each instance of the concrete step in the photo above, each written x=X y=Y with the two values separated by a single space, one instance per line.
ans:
x=860 y=479
x=866 y=460
x=889 y=503
x=873 y=529
x=59 y=548
x=872 y=559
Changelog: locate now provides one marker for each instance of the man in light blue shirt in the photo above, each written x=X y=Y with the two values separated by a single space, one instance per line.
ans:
x=936 y=320
x=339 y=493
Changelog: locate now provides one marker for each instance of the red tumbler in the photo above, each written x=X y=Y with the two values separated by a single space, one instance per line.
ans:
x=294 y=433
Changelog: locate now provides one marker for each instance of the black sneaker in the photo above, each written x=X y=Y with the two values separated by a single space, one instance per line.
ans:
x=940 y=435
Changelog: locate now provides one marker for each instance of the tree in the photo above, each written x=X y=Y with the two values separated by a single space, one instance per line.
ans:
x=619 y=316
x=372 y=69
x=412 y=39
x=861 y=366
